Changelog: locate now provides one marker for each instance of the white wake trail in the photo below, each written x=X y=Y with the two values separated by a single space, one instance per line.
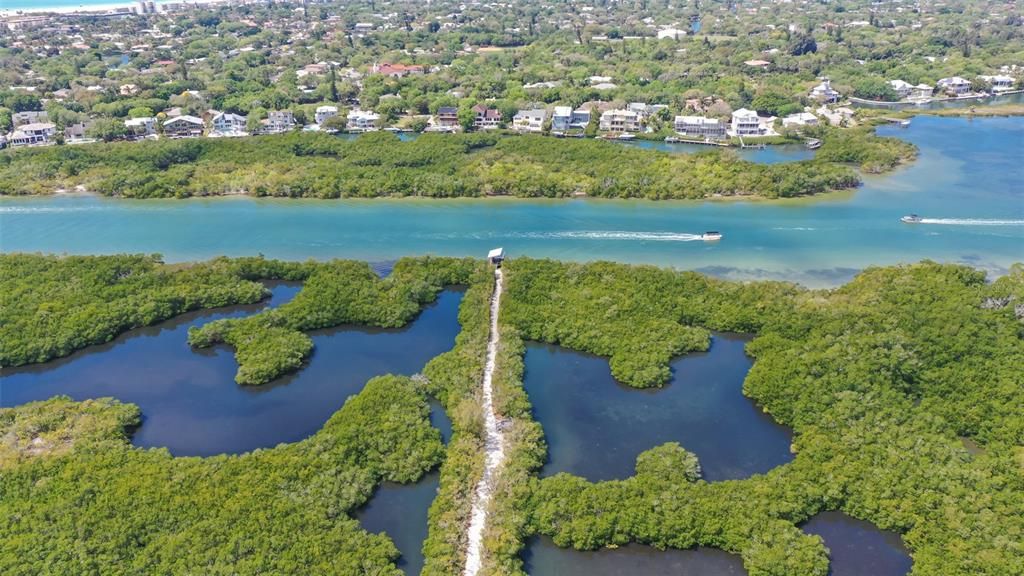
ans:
x=971 y=222
x=622 y=235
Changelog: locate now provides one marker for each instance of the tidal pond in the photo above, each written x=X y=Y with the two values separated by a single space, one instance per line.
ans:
x=189 y=400
x=543 y=558
x=858 y=548
x=400 y=510
x=596 y=427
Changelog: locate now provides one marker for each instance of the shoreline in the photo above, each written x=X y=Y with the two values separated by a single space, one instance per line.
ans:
x=115 y=7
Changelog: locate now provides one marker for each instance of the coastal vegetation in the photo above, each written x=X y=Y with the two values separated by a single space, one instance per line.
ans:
x=882 y=381
x=54 y=305
x=379 y=164
x=860 y=146
x=79 y=499
x=272 y=343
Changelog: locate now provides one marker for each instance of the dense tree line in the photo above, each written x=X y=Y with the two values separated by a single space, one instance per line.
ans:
x=860 y=146
x=101 y=506
x=269 y=344
x=379 y=164
x=55 y=305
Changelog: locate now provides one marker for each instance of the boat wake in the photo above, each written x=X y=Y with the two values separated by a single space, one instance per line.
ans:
x=970 y=222
x=620 y=235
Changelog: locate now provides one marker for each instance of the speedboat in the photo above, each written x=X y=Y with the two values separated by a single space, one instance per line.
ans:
x=911 y=219
x=711 y=236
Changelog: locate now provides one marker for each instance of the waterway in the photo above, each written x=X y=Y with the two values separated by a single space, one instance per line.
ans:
x=189 y=400
x=968 y=176
x=858 y=548
x=596 y=427
x=543 y=558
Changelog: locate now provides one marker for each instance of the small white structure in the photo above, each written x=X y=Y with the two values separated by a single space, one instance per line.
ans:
x=325 y=112
x=671 y=34
x=921 y=92
x=800 y=119
x=363 y=121
x=530 y=120
x=496 y=256
x=824 y=92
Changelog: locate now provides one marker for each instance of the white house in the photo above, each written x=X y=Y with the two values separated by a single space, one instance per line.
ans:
x=561 y=119
x=999 y=82
x=921 y=91
x=184 y=126
x=824 y=92
x=800 y=119
x=619 y=121
x=699 y=126
x=33 y=134
x=746 y=123
x=580 y=118
x=901 y=88
x=671 y=34
x=228 y=124
x=325 y=112
x=363 y=121
x=141 y=127
x=279 y=121
x=530 y=120
x=954 y=85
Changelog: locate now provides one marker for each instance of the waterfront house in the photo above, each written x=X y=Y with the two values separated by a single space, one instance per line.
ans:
x=34 y=134
x=140 y=127
x=699 y=126
x=954 y=85
x=901 y=88
x=561 y=119
x=485 y=118
x=447 y=117
x=799 y=119
x=824 y=92
x=580 y=117
x=746 y=123
x=619 y=121
x=999 y=82
x=76 y=133
x=363 y=121
x=530 y=120
x=325 y=112
x=921 y=91
x=279 y=121
x=228 y=124
x=183 y=126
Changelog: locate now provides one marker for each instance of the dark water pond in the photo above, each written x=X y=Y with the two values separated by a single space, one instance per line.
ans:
x=400 y=510
x=858 y=548
x=543 y=558
x=596 y=427
x=189 y=399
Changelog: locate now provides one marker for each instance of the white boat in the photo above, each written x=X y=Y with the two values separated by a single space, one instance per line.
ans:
x=911 y=219
x=626 y=136
x=711 y=236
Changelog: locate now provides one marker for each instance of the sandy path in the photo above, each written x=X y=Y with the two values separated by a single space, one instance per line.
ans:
x=494 y=445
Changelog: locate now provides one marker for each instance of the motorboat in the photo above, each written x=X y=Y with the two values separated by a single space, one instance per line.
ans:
x=911 y=219
x=711 y=236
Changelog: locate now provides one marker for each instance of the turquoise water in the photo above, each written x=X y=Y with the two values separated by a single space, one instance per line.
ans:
x=60 y=4
x=969 y=176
